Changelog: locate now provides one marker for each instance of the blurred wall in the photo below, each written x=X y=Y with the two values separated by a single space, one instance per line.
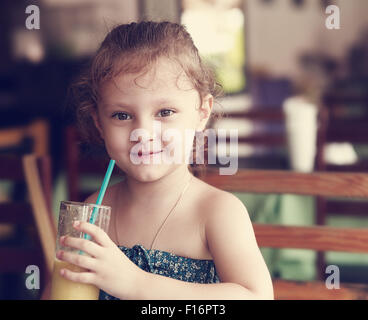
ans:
x=279 y=31
x=76 y=27
x=161 y=10
x=79 y=26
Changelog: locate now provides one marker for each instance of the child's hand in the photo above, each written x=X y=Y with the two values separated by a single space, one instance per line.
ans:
x=110 y=269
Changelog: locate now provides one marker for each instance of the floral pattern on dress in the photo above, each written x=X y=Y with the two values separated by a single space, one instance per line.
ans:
x=169 y=265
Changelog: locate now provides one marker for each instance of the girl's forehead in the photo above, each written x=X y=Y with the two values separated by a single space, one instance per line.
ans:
x=163 y=75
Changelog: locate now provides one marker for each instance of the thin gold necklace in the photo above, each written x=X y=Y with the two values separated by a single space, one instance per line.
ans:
x=159 y=230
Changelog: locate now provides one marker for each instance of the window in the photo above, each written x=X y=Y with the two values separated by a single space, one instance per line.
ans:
x=217 y=29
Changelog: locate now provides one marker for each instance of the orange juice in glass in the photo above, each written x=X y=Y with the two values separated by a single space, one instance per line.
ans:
x=70 y=211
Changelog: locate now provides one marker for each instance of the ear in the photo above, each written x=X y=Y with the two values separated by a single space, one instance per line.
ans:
x=205 y=112
x=97 y=123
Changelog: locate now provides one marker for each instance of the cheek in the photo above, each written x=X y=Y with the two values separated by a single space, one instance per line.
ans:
x=179 y=139
x=116 y=139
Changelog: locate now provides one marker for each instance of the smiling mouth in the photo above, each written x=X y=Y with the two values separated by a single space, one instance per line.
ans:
x=140 y=154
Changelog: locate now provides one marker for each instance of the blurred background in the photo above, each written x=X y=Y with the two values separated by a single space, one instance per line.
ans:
x=264 y=52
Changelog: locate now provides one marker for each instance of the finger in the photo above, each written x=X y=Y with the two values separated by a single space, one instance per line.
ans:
x=77 y=260
x=84 y=245
x=82 y=277
x=95 y=232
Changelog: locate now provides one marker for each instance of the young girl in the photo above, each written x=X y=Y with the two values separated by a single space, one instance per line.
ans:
x=171 y=235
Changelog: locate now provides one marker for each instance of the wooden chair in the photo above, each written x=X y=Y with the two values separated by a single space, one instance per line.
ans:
x=33 y=212
x=79 y=164
x=319 y=238
x=345 y=120
x=269 y=136
x=37 y=131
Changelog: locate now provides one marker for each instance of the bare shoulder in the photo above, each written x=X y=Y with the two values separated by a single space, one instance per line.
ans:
x=227 y=214
x=218 y=208
x=216 y=202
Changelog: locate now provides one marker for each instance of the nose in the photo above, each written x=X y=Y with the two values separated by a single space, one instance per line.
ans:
x=147 y=132
x=147 y=136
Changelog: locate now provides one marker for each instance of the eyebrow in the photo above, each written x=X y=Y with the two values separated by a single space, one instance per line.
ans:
x=127 y=106
x=118 y=105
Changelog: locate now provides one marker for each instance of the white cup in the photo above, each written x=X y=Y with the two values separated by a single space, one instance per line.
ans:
x=301 y=127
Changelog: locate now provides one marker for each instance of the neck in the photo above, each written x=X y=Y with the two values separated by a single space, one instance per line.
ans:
x=157 y=193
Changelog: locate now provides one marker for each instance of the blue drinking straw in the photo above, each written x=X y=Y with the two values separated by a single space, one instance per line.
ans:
x=101 y=194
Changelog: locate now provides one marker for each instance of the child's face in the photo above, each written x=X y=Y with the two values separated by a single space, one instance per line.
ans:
x=134 y=101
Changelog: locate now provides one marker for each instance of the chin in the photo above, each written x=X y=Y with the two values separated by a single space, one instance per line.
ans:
x=147 y=175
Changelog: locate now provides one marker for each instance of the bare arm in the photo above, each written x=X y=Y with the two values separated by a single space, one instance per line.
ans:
x=158 y=287
x=46 y=294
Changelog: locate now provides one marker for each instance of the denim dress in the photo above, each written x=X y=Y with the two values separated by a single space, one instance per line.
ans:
x=170 y=265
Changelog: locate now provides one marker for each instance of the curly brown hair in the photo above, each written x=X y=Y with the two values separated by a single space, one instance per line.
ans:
x=133 y=48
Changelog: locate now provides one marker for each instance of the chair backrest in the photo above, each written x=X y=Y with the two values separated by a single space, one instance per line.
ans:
x=269 y=134
x=41 y=211
x=346 y=122
x=79 y=164
x=37 y=131
x=319 y=238
x=261 y=115
x=264 y=136
x=32 y=210
x=346 y=118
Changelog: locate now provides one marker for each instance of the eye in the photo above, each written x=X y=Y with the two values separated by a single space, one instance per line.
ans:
x=120 y=115
x=166 y=112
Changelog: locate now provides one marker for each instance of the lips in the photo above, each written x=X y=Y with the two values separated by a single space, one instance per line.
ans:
x=140 y=153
